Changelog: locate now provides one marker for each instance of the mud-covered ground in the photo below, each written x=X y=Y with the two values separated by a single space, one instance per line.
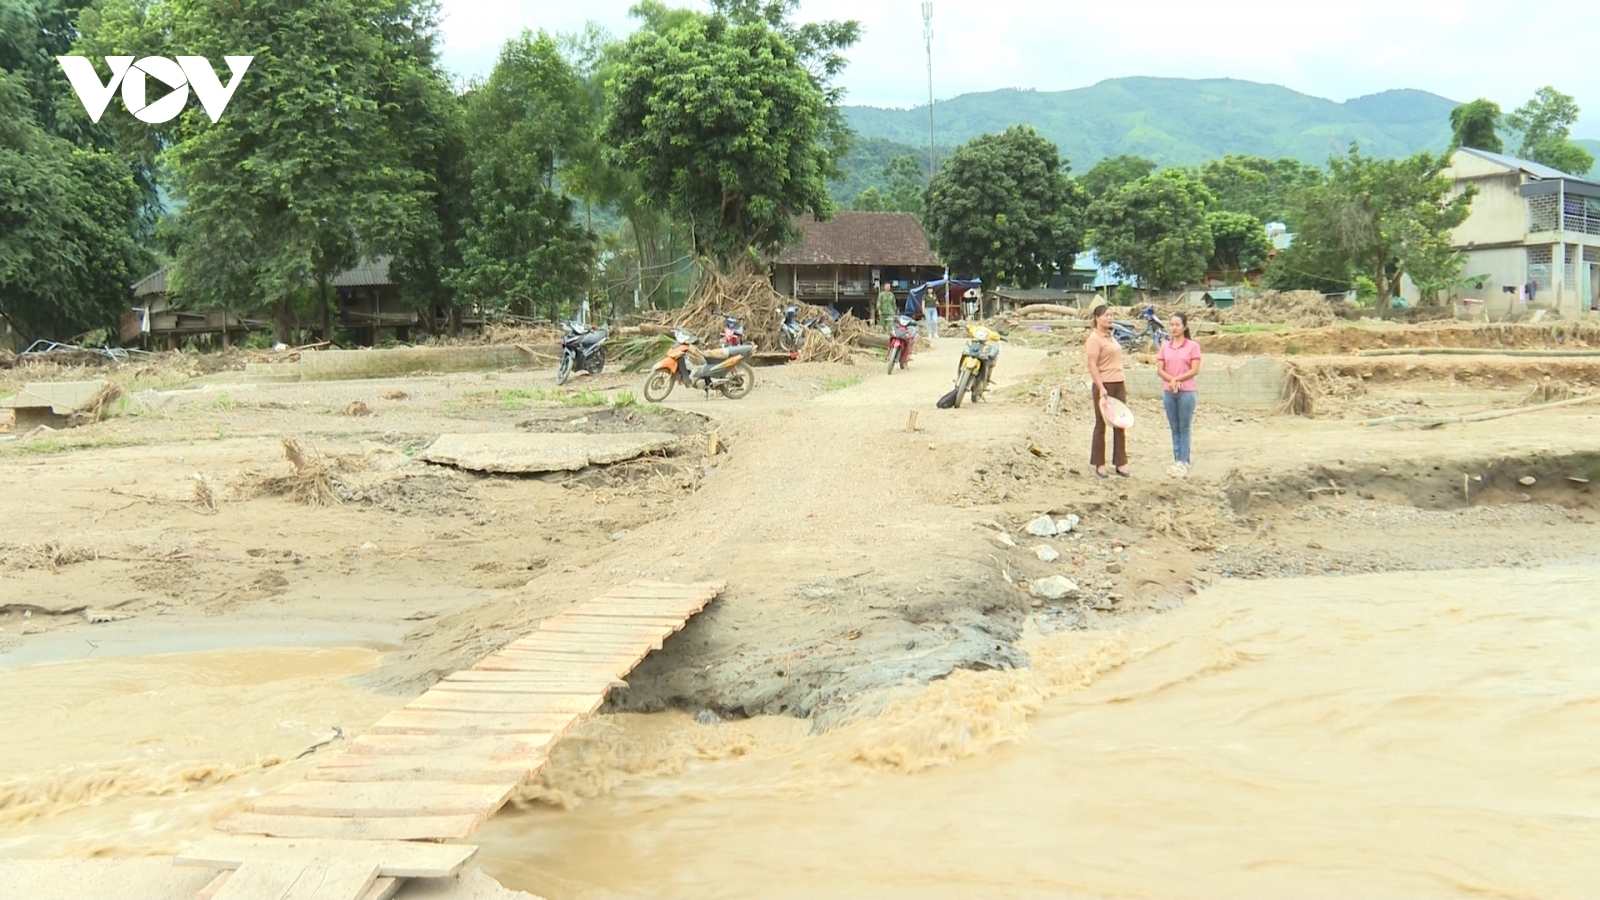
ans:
x=860 y=556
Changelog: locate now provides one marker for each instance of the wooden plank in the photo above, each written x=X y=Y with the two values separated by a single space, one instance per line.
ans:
x=418 y=798
x=384 y=888
x=291 y=881
x=608 y=628
x=601 y=686
x=394 y=828
x=493 y=747
x=213 y=886
x=592 y=618
x=532 y=678
x=428 y=721
x=464 y=769
x=582 y=644
x=467 y=701
x=394 y=859
x=611 y=664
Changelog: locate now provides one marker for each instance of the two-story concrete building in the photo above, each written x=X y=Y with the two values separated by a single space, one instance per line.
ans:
x=1532 y=228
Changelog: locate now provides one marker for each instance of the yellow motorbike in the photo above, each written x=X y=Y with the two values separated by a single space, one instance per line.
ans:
x=978 y=357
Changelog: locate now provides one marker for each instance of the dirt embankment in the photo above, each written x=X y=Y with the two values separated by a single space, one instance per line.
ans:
x=1348 y=339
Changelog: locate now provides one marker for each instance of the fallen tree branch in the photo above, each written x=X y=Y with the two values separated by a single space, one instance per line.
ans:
x=1435 y=421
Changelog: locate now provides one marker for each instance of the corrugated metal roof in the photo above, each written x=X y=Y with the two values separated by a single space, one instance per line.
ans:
x=366 y=273
x=154 y=283
x=854 y=238
x=1512 y=163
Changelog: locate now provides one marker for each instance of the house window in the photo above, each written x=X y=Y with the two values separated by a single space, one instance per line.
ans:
x=1544 y=213
x=1570 y=272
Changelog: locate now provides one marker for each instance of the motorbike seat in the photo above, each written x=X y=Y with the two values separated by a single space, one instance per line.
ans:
x=722 y=353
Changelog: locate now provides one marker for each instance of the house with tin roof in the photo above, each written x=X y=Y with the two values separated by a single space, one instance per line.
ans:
x=1533 y=231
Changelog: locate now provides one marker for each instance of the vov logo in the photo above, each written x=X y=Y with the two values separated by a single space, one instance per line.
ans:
x=187 y=72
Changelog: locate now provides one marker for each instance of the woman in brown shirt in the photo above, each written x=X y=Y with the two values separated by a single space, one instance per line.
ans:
x=1103 y=355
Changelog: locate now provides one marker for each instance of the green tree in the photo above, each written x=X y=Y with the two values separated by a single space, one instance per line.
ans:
x=1003 y=208
x=1155 y=229
x=522 y=249
x=869 y=200
x=310 y=170
x=1474 y=124
x=1545 y=125
x=1264 y=188
x=1239 y=241
x=1114 y=172
x=907 y=185
x=1383 y=215
x=727 y=120
x=68 y=224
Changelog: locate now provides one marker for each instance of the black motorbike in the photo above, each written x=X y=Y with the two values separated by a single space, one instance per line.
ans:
x=583 y=348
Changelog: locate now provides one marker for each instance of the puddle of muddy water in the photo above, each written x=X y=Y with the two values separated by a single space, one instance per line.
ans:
x=134 y=756
x=1382 y=736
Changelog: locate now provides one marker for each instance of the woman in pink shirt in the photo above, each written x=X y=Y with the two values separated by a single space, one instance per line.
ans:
x=1178 y=362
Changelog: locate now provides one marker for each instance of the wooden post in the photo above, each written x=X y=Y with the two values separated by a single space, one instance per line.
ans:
x=911 y=423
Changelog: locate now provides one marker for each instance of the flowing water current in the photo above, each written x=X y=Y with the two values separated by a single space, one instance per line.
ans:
x=1383 y=736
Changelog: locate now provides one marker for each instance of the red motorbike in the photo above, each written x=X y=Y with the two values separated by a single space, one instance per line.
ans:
x=732 y=332
x=902 y=335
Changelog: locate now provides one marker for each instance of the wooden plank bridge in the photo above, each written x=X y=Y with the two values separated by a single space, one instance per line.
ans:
x=433 y=771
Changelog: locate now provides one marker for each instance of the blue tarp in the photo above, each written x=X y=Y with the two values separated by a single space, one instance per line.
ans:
x=958 y=286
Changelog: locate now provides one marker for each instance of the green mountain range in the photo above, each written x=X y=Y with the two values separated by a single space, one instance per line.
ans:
x=1173 y=121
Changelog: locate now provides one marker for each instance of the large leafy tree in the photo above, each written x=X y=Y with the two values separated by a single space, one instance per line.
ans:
x=1155 y=229
x=522 y=248
x=314 y=165
x=1003 y=208
x=1267 y=189
x=68 y=227
x=73 y=213
x=1239 y=241
x=1474 y=125
x=1114 y=172
x=1545 y=125
x=1386 y=216
x=729 y=122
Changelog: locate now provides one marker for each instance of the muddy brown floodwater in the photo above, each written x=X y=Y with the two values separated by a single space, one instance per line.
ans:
x=1376 y=736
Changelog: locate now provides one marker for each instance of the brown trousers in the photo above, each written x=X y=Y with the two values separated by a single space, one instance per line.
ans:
x=1119 y=438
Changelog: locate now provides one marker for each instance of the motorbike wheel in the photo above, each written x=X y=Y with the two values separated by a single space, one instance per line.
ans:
x=894 y=357
x=596 y=363
x=787 y=342
x=738 y=386
x=564 y=368
x=979 y=386
x=963 y=384
x=658 y=385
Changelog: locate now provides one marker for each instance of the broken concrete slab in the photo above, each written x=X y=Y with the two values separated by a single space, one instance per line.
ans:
x=58 y=404
x=527 y=454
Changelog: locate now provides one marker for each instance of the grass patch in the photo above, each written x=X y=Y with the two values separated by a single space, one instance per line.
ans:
x=840 y=382
x=1292 y=350
x=583 y=398
x=222 y=403
x=624 y=400
x=1251 y=328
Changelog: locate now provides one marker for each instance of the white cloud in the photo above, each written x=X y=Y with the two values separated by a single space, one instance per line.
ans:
x=1461 y=49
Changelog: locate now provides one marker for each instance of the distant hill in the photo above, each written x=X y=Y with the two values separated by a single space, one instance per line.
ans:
x=1173 y=121
x=1177 y=121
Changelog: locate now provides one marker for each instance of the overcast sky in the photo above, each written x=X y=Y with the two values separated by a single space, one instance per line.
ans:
x=1460 y=49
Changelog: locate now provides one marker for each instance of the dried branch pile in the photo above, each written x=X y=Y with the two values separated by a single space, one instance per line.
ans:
x=312 y=481
x=751 y=299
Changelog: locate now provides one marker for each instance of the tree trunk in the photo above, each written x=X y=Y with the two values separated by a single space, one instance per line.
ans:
x=327 y=310
x=285 y=317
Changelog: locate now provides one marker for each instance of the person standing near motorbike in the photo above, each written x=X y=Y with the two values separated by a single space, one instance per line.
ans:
x=1103 y=356
x=1178 y=362
x=885 y=306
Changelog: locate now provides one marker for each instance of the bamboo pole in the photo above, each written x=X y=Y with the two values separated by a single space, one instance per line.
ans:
x=1479 y=417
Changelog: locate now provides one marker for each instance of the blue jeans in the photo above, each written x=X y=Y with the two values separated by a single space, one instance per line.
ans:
x=1180 y=417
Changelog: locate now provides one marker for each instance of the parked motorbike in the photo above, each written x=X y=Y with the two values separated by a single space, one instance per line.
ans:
x=1132 y=339
x=583 y=348
x=791 y=334
x=726 y=370
x=732 y=332
x=978 y=357
x=902 y=335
